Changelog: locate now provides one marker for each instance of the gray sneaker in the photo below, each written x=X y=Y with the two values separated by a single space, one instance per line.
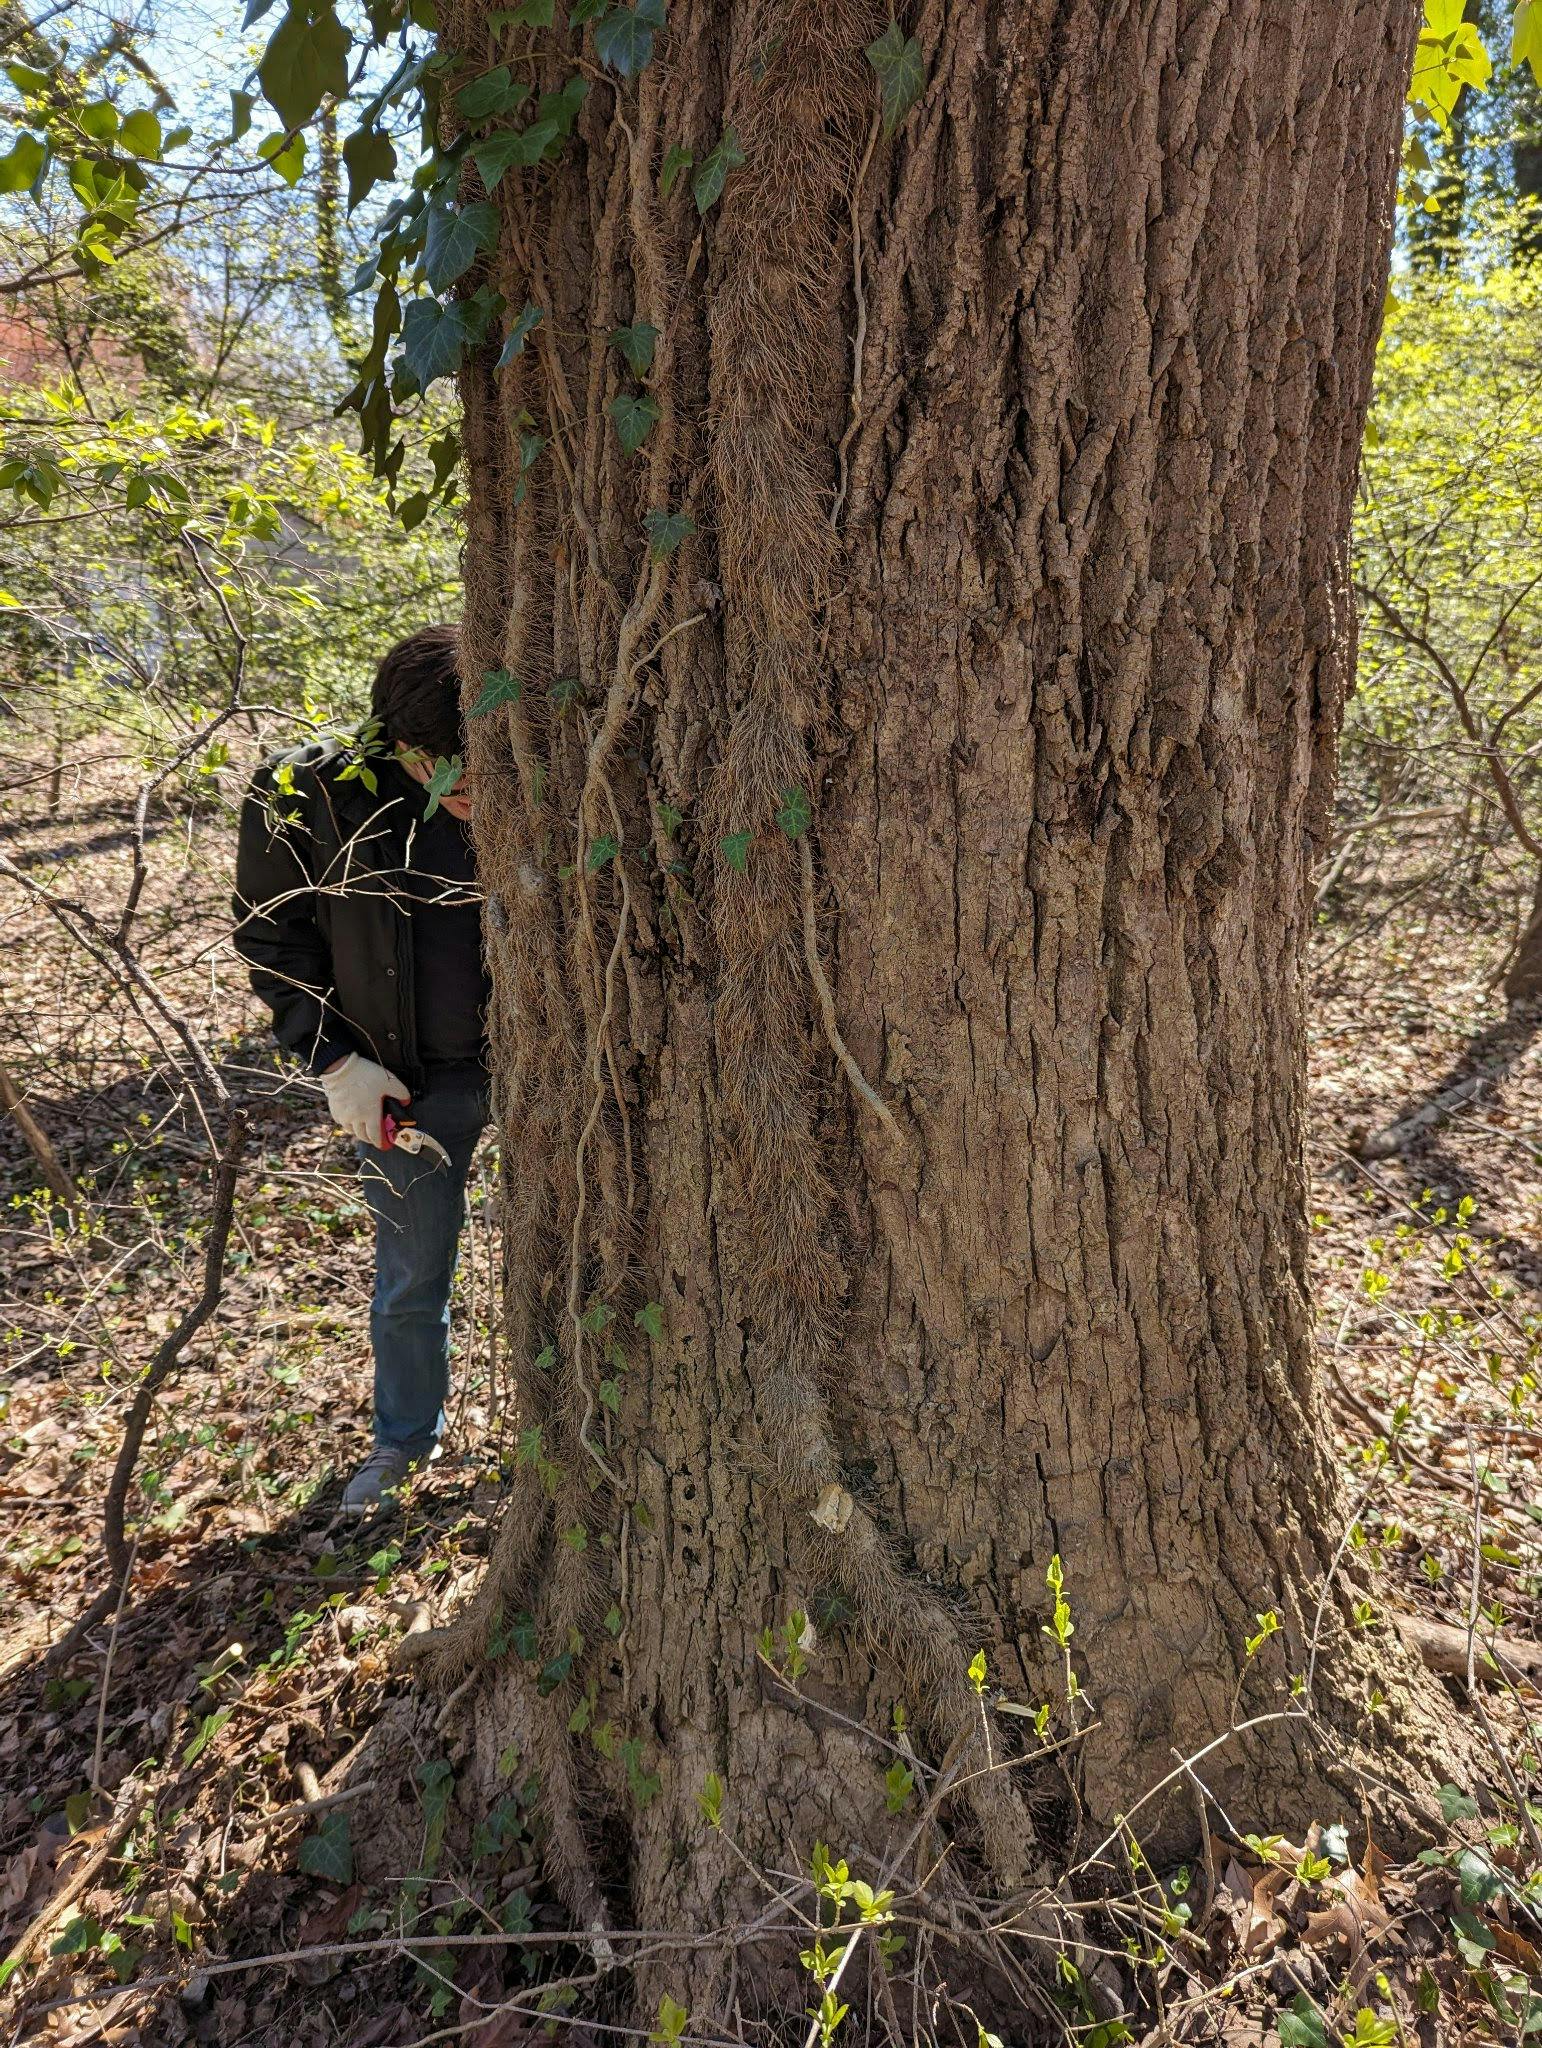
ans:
x=381 y=1473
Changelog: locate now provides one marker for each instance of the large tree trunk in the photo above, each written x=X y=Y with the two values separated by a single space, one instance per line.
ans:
x=959 y=1137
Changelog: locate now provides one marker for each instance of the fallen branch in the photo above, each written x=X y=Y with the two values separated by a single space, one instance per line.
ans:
x=115 y=1542
x=38 y=1143
x=1443 y=1648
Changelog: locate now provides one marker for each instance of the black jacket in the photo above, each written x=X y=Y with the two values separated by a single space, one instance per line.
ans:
x=319 y=919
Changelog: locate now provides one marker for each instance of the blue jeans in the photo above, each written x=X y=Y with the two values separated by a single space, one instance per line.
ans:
x=419 y=1205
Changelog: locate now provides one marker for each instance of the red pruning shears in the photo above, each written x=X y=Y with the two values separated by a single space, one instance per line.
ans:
x=405 y=1136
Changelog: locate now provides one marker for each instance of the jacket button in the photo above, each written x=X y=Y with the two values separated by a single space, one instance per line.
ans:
x=392 y=1036
x=391 y=971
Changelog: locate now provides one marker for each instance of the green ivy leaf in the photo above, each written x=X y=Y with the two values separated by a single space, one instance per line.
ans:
x=554 y=1673
x=562 y=107
x=794 y=813
x=601 y=851
x=896 y=58
x=518 y=335
x=736 y=850
x=306 y=61
x=707 y=185
x=677 y=158
x=80 y=1934
x=241 y=104
x=1302 y=2025
x=1479 y=1880
x=528 y=14
x=329 y=1852
x=624 y=38
x=455 y=240
x=585 y=10
x=636 y=345
x=434 y=338
x=650 y=1320
x=610 y=1394
x=633 y=417
x=1456 y=1804
x=498 y=688
x=495 y=92
x=665 y=531
x=369 y=157
x=496 y=153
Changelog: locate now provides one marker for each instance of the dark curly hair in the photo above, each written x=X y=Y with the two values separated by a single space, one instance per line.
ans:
x=416 y=694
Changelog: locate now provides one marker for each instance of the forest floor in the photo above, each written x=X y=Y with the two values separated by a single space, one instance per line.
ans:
x=157 y=1830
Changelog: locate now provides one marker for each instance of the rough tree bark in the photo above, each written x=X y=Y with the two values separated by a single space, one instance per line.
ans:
x=959 y=1136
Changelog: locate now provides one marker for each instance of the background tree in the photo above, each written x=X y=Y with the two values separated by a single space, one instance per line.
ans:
x=1449 y=566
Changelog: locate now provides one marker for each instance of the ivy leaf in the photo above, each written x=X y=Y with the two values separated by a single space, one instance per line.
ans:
x=677 y=158
x=241 y=104
x=553 y=1674
x=896 y=58
x=794 y=813
x=736 y=850
x=369 y=158
x=650 y=1320
x=329 y=1852
x=665 y=531
x=528 y=14
x=495 y=153
x=455 y=239
x=434 y=338
x=636 y=345
x=633 y=418
x=624 y=38
x=610 y=1394
x=288 y=160
x=585 y=10
x=1480 y=1881
x=562 y=107
x=495 y=92
x=601 y=851
x=141 y=134
x=305 y=61
x=1455 y=1804
x=443 y=779
x=519 y=334
x=707 y=185
x=1302 y=2026
x=498 y=688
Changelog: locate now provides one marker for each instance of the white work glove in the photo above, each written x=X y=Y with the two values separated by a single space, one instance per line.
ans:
x=355 y=1091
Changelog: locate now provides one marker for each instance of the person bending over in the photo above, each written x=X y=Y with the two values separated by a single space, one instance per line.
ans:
x=358 y=915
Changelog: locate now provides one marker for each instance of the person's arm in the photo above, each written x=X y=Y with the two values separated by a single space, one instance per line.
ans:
x=276 y=931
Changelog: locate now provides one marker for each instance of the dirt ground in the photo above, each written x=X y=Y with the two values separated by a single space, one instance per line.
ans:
x=157 y=1820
